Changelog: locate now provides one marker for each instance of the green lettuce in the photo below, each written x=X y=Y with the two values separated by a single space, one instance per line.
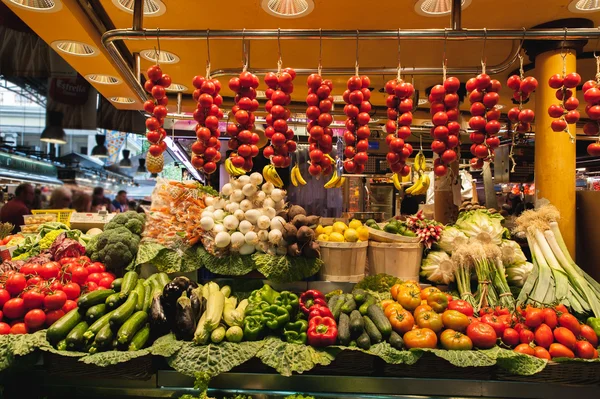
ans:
x=482 y=225
x=287 y=358
x=450 y=238
x=286 y=269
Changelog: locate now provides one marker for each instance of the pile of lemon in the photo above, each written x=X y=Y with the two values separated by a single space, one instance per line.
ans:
x=354 y=231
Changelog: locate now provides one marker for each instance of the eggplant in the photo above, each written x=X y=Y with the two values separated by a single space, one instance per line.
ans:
x=173 y=291
x=158 y=319
x=185 y=323
x=193 y=285
x=196 y=299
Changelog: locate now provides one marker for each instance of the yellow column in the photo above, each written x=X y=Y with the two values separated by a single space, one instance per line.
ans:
x=554 y=152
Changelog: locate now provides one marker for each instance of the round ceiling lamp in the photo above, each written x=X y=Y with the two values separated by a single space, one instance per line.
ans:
x=584 y=6
x=122 y=100
x=437 y=8
x=38 y=5
x=73 y=47
x=288 y=8
x=103 y=79
x=54 y=132
x=152 y=8
x=164 y=57
x=176 y=88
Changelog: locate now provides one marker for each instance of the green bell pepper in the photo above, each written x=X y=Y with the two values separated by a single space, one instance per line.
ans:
x=266 y=293
x=288 y=300
x=256 y=308
x=594 y=322
x=275 y=317
x=253 y=328
x=295 y=332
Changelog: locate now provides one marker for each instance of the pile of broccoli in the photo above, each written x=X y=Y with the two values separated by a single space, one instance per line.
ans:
x=118 y=244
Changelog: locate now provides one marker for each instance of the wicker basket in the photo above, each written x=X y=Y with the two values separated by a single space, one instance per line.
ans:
x=431 y=366
x=383 y=236
x=402 y=259
x=573 y=373
x=343 y=261
x=139 y=368
x=348 y=362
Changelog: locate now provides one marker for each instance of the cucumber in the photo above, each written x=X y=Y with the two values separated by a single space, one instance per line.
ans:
x=95 y=312
x=62 y=345
x=140 y=338
x=344 y=329
x=368 y=302
x=337 y=306
x=116 y=284
x=382 y=323
x=90 y=299
x=114 y=301
x=331 y=301
x=131 y=326
x=359 y=296
x=129 y=282
x=104 y=337
x=396 y=341
x=364 y=342
x=75 y=339
x=163 y=279
x=357 y=324
x=63 y=326
x=372 y=330
x=97 y=326
x=156 y=287
x=147 y=297
x=139 y=288
x=124 y=312
x=349 y=305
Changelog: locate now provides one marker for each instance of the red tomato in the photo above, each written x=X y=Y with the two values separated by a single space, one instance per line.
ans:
x=15 y=283
x=26 y=269
x=486 y=310
x=541 y=353
x=570 y=322
x=105 y=282
x=565 y=336
x=589 y=335
x=1 y=316
x=79 y=275
x=493 y=321
x=526 y=336
x=14 y=308
x=500 y=311
x=94 y=277
x=533 y=317
x=55 y=301
x=525 y=349
x=69 y=305
x=84 y=260
x=19 y=328
x=107 y=274
x=4 y=329
x=50 y=270
x=56 y=286
x=33 y=299
x=550 y=318
x=34 y=319
x=95 y=267
x=91 y=286
x=561 y=308
x=72 y=290
x=4 y=296
x=559 y=350
x=482 y=335
x=64 y=261
x=462 y=306
x=53 y=315
x=543 y=336
x=510 y=337
x=35 y=281
x=584 y=350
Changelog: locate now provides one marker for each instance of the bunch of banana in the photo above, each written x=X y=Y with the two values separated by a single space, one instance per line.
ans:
x=233 y=170
x=296 y=177
x=421 y=185
x=336 y=180
x=420 y=162
x=396 y=180
x=270 y=174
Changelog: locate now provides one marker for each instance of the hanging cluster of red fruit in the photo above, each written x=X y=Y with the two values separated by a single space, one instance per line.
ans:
x=320 y=104
x=591 y=95
x=280 y=87
x=357 y=132
x=399 y=106
x=565 y=112
x=207 y=114
x=444 y=102
x=522 y=88
x=243 y=140
x=156 y=85
x=483 y=96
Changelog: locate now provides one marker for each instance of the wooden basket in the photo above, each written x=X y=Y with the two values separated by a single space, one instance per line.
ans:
x=431 y=366
x=343 y=261
x=383 y=236
x=402 y=260
x=139 y=368
x=573 y=373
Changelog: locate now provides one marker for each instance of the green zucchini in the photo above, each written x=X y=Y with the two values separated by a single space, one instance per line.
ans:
x=371 y=300
x=116 y=284
x=104 y=337
x=62 y=345
x=131 y=326
x=140 y=338
x=332 y=301
x=114 y=301
x=75 y=339
x=63 y=326
x=359 y=296
x=90 y=299
x=396 y=341
x=364 y=342
x=97 y=326
x=95 y=312
x=372 y=330
x=129 y=283
x=140 y=289
x=147 y=297
x=349 y=305
x=163 y=279
x=337 y=306
x=382 y=323
x=217 y=335
x=124 y=312
x=344 y=329
x=156 y=287
x=357 y=324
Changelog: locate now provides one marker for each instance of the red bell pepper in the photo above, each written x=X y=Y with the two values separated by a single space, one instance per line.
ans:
x=322 y=331
x=310 y=298
x=319 y=310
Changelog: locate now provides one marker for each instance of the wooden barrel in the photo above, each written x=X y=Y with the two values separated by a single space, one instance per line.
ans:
x=343 y=261
x=400 y=259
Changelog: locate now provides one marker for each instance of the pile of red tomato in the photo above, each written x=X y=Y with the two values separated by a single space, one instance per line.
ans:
x=320 y=104
x=357 y=132
x=156 y=85
x=591 y=95
x=444 y=115
x=39 y=294
x=399 y=106
x=565 y=112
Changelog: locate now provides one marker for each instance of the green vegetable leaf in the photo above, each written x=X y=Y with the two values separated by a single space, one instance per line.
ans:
x=380 y=282
x=230 y=265
x=286 y=269
x=147 y=252
x=110 y=358
x=472 y=358
x=24 y=344
x=212 y=359
x=287 y=358
x=516 y=363
x=568 y=360
x=6 y=353
x=388 y=353
x=168 y=260
x=165 y=346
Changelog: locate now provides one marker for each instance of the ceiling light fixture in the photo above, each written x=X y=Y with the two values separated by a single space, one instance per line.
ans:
x=584 y=6
x=38 y=5
x=100 y=150
x=54 y=132
x=288 y=8
x=437 y=8
x=164 y=57
x=103 y=79
x=141 y=166
x=125 y=162
x=176 y=87
x=152 y=8
x=72 y=47
x=122 y=100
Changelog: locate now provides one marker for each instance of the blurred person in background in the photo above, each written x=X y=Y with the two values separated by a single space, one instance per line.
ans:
x=60 y=198
x=37 y=199
x=82 y=202
x=14 y=210
x=121 y=202
x=100 y=202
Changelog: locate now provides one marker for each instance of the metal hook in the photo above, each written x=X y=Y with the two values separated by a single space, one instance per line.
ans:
x=562 y=46
x=356 y=64
x=399 y=58
x=597 y=44
x=320 y=66
x=157 y=51
x=279 y=61
x=244 y=51
x=207 y=54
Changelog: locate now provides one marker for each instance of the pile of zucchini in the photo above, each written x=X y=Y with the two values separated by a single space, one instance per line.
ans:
x=114 y=319
x=361 y=322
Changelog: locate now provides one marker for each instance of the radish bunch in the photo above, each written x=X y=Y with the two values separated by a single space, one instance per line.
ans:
x=399 y=106
x=565 y=112
x=243 y=140
x=207 y=114
x=483 y=96
x=444 y=115
x=156 y=85
x=320 y=104
x=280 y=88
x=522 y=88
x=356 y=136
x=591 y=95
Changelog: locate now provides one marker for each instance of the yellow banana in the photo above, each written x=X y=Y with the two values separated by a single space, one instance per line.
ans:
x=420 y=162
x=414 y=189
x=298 y=176
x=232 y=170
x=293 y=177
x=396 y=181
x=335 y=178
x=340 y=183
x=274 y=176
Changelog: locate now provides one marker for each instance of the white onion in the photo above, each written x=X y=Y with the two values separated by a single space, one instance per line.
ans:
x=275 y=236
x=245 y=226
x=262 y=246
x=252 y=215
x=219 y=203
x=219 y=228
x=239 y=214
x=207 y=214
x=243 y=180
x=256 y=178
x=237 y=240
x=237 y=196
x=277 y=194
x=263 y=235
x=236 y=184
x=222 y=239
x=226 y=189
x=277 y=223
x=279 y=205
x=246 y=205
x=219 y=214
x=247 y=249
x=259 y=198
x=269 y=203
x=209 y=200
x=232 y=207
x=270 y=212
x=281 y=250
x=231 y=222
x=249 y=190
x=267 y=188
x=263 y=222
x=251 y=238
x=210 y=208
x=207 y=223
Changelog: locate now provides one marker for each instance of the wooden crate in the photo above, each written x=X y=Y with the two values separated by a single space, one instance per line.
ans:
x=400 y=259
x=343 y=261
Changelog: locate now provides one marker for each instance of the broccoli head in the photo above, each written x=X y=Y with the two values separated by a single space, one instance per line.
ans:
x=133 y=221
x=116 y=248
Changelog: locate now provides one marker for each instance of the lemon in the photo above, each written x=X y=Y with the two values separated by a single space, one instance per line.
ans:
x=339 y=227
x=355 y=224
x=350 y=235
x=323 y=237
x=328 y=230
x=336 y=237
x=319 y=230
x=363 y=233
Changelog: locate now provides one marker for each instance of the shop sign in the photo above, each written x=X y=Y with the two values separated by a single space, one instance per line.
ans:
x=22 y=164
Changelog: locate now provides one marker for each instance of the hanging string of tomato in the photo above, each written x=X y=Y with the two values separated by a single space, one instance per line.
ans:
x=444 y=112
x=399 y=113
x=591 y=95
x=156 y=85
x=357 y=132
x=320 y=104
x=566 y=111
